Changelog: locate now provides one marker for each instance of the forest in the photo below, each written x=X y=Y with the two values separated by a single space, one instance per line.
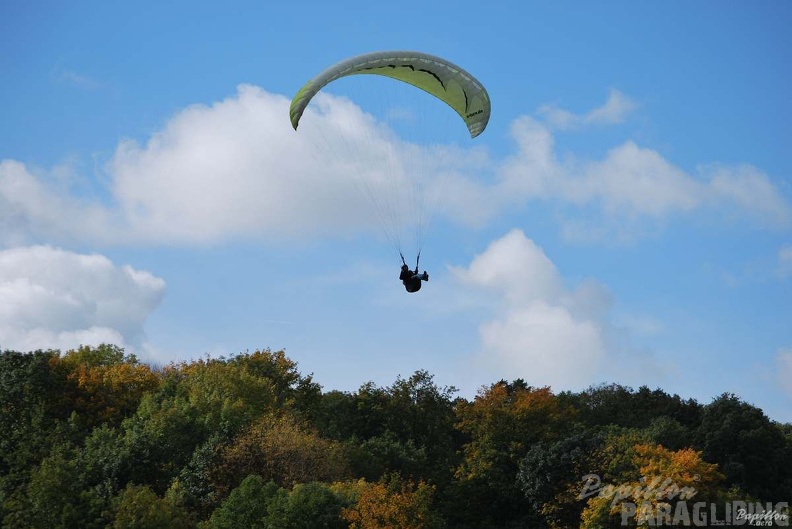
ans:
x=95 y=438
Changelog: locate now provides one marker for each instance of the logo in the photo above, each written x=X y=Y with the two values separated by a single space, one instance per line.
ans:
x=658 y=488
x=661 y=502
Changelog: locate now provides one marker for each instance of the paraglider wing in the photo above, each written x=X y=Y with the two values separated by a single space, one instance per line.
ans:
x=444 y=80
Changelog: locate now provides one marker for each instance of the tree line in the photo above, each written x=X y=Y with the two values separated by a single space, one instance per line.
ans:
x=94 y=438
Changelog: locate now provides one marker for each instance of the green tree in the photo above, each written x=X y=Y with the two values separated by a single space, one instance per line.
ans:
x=56 y=497
x=308 y=506
x=669 y=432
x=35 y=405
x=290 y=388
x=193 y=484
x=138 y=507
x=614 y=404
x=249 y=505
x=197 y=404
x=336 y=416
x=407 y=427
x=100 y=355
x=418 y=410
x=503 y=422
x=751 y=450
x=385 y=454
x=550 y=477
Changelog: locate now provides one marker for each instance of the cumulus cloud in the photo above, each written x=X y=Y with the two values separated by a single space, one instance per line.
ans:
x=516 y=268
x=53 y=298
x=632 y=187
x=545 y=345
x=543 y=331
x=547 y=331
x=33 y=206
x=747 y=189
x=615 y=110
x=632 y=180
x=235 y=169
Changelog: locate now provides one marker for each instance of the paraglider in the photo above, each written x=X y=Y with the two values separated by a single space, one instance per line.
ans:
x=412 y=279
x=447 y=82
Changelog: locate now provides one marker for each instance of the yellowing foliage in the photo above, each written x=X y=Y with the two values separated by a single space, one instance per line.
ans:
x=395 y=505
x=666 y=477
x=281 y=449
x=684 y=467
x=110 y=392
x=503 y=421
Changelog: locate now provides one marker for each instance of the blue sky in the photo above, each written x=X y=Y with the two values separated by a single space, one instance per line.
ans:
x=626 y=216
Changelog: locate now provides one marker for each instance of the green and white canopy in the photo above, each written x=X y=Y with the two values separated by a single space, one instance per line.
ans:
x=444 y=80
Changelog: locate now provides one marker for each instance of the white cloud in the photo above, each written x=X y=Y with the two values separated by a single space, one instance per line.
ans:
x=544 y=331
x=629 y=181
x=615 y=110
x=784 y=369
x=748 y=190
x=545 y=345
x=632 y=188
x=634 y=181
x=53 y=298
x=533 y=172
x=538 y=327
x=235 y=169
x=516 y=268
x=32 y=206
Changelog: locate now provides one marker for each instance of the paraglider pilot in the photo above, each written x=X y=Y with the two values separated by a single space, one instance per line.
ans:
x=412 y=279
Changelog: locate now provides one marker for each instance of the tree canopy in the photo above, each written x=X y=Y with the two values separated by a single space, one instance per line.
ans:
x=94 y=438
